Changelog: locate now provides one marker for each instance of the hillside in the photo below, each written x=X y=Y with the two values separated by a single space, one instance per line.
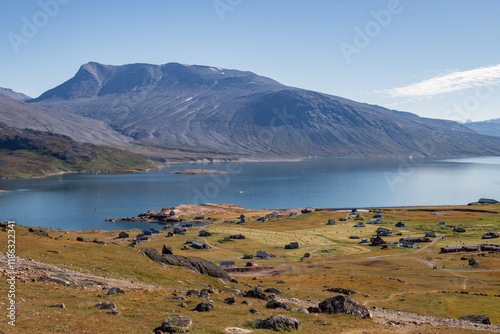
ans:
x=31 y=153
x=17 y=114
x=407 y=290
x=489 y=128
x=187 y=109
x=9 y=93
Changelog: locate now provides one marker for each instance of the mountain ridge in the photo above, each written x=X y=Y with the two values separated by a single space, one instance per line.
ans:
x=192 y=107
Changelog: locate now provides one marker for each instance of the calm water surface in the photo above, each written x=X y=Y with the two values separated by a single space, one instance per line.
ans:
x=84 y=201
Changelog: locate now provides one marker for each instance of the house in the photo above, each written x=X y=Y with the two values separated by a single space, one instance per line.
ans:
x=430 y=235
x=396 y=244
x=227 y=238
x=242 y=218
x=331 y=222
x=142 y=238
x=353 y=237
x=199 y=217
x=274 y=214
x=377 y=241
x=384 y=233
x=359 y=224
x=409 y=244
x=237 y=236
x=489 y=248
x=490 y=235
x=252 y=263
x=198 y=245
x=169 y=234
x=263 y=255
x=364 y=240
x=248 y=256
x=400 y=224
x=414 y=239
x=179 y=230
x=471 y=248
x=459 y=229
x=123 y=235
x=487 y=201
x=228 y=264
x=451 y=249
x=204 y=233
x=187 y=225
x=154 y=231
x=147 y=232
x=306 y=210
x=442 y=223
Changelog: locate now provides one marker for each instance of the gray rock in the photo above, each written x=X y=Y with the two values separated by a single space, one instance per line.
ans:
x=247 y=302
x=230 y=301
x=115 y=290
x=113 y=312
x=205 y=306
x=278 y=323
x=478 y=319
x=301 y=310
x=179 y=298
x=167 y=250
x=345 y=305
x=39 y=232
x=273 y=290
x=61 y=305
x=105 y=306
x=274 y=304
x=255 y=293
x=254 y=311
x=175 y=325
x=312 y=309
x=79 y=239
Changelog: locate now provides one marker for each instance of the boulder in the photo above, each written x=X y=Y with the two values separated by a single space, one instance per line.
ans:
x=39 y=232
x=247 y=302
x=301 y=310
x=478 y=319
x=274 y=304
x=79 y=239
x=230 y=301
x=105 y=306
x=205 y=306
x=167 y=250
x=204 y=293
x=345 y=305
x=196 y=264
x=255 y=293
x=175 y=325
x=61 y=305
x=114 y=291
x=312 y=309
x=273 y=290
x=254 y=311
x=278 y=323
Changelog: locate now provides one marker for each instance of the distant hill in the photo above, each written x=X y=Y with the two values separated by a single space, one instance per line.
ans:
x=201 y=108
x=31 y=153
x=488 y=128
x=7 y=92
x=17 y=114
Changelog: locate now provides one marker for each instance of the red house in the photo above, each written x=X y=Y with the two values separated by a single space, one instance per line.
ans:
x=252 y=263
x=451 y=249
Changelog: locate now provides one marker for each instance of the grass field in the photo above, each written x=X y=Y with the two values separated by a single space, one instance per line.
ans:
x=393 y=278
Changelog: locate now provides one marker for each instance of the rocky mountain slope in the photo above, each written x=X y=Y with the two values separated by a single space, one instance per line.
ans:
x=217 y=110
x=7 y=92
x=17 y=114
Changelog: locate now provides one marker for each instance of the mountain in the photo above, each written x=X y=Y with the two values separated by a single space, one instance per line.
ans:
x=7 y=92
x=489 y=128
x=17 y=114
x=31 y=153
x=215 y=110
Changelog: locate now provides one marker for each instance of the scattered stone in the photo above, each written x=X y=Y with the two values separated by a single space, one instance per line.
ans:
x=184 y=305
x=230 y=301
x=233 y=280
x=105 y=306
x=273 y=290
x=323 y=323
x=255 y=278
x=277 y=323
x=301 y=310
x=254 y=311
x=79 y=239
x=115 y=290
x=478 y=319
x=345 y=305
x=247 y=302
x=175 y=325
x=280 y=282
x=205 y=306
x=114 y=312
x=274 y=304
x=179 y=298
x=342 y=291
x=53 y=251
x=255 y=293
x=237 y=330
x=60 y=305
x=39 y=232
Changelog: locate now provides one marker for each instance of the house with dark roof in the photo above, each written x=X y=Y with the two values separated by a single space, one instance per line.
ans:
x=227 y=264
x=490 y=235
x=292 y=245
x=264 y=255
x=400 y=224
x=123 y=235
x=198 y=245
x=377 y=241
x=204 y=233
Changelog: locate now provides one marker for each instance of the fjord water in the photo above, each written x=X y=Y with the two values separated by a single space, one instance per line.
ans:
x=83 y=201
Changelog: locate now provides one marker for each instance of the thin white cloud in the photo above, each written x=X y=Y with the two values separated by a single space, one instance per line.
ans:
x=448 y=83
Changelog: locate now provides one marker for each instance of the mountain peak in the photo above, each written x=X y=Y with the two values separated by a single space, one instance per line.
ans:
x=9 y=93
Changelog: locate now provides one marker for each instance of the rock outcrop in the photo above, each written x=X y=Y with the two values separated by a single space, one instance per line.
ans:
x=194 y=263
x=478 y=319
x=345 y=305
x=175 y=325
x=278 y=323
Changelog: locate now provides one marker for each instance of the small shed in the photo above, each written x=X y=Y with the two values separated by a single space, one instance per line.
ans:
x=459 y=229
x=237 y=236
x=331 y=222
x=400 y=224
x=442 y=223
x=377 y=241
x=123 y=235
x=198 y=245
x=147 y=232
x=263 y=255
x=471 y=248
x=359 y=224
x=292 y=245
x=227 y=264
x=169 y=234
x=154 y=231
x=430 y=234
x=248 y=256
x=204 y=233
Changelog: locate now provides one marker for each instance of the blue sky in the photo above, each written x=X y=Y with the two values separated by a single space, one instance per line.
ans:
x=437 y=59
